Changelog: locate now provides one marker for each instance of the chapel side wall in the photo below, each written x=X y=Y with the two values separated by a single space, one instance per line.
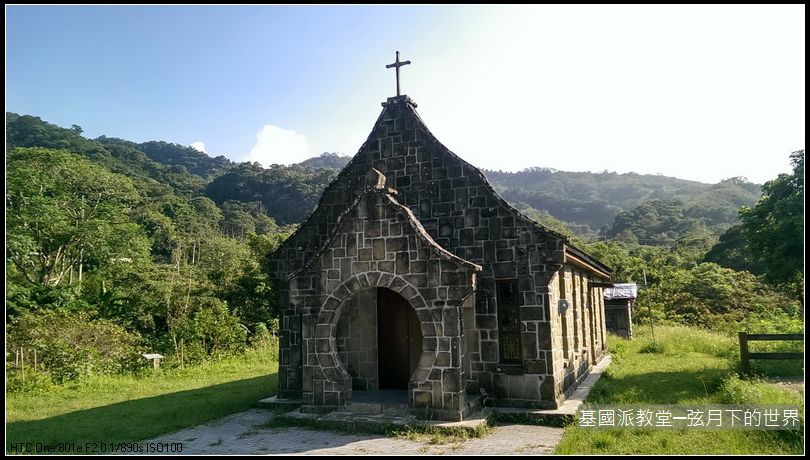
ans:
x=600 y=301
x=577 y=330
x=561 y=291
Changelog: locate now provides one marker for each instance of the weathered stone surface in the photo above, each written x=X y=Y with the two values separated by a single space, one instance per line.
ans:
x=364 y=235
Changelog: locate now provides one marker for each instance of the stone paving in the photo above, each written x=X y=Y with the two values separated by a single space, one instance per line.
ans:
x=242 y=433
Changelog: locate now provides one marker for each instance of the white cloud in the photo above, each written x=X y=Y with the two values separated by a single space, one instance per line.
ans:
x=198 y=146
x=276 y=145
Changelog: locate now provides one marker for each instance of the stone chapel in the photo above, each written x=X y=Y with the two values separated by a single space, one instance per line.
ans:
x=413 y=274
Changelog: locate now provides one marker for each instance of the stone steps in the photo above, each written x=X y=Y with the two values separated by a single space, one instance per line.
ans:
x=276 y=403
x=377 y=408
x=382 y=413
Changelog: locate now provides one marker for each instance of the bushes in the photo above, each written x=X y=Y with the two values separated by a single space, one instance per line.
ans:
x=218 y=331
x=70 y=345
x=265 y=339
x=711 y=296
x=772 y=320
x=28 y=381
x=209 y=331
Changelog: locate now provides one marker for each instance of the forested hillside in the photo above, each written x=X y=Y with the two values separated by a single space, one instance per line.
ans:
x=326 y=160
x=591 y=201
x=653 y=209
x=288 y=193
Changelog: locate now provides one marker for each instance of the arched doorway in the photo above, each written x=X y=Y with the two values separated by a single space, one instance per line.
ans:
x=399 y=340
x=378 y=339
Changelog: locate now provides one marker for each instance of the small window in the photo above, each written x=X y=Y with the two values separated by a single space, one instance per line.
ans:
x=509 y=321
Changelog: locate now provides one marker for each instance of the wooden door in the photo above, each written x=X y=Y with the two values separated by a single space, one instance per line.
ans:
x=399 y=339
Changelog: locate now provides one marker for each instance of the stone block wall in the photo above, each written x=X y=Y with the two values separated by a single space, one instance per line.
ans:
x=356 y=339
x=578 y=327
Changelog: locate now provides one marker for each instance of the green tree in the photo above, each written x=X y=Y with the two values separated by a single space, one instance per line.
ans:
x=239 y=219
x=64 y=212
x=774 y=228
x=287 y=193
x=626 y=268
x=544 y=218
x=235 y=274
x=733 y=252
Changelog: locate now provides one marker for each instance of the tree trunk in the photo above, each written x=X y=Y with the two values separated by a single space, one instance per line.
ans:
x=81 y=261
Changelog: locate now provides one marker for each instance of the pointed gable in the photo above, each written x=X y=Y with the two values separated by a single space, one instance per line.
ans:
x=451 y=198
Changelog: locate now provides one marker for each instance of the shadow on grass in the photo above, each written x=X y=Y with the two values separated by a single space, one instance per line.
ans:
x=144 y=418
x=657 y=387
x=777 y=368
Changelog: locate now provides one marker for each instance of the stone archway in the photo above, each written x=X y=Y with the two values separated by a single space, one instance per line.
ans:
x=331 y=375
x=378 y=339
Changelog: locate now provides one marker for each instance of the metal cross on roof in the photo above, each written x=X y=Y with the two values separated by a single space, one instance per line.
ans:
x=397 y=64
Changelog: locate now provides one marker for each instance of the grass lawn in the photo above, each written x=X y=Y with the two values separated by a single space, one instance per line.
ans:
x=115 y=409
x=688 y=366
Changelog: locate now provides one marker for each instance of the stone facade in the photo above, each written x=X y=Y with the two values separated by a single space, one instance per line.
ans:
x=430 y=227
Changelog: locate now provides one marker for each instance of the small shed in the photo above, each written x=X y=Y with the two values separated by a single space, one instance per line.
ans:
x=619 y=301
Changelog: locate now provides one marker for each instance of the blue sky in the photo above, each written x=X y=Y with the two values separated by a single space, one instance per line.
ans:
x=698 y=92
